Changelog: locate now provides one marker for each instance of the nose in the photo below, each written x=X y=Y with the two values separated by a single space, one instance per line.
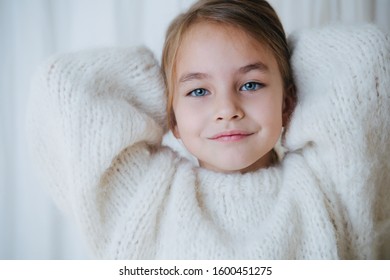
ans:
x=228 y=107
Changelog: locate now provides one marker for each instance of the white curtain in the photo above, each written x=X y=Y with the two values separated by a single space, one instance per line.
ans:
x=296 y=14
x=30 y=30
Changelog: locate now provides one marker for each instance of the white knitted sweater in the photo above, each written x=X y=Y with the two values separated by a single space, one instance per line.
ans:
x=96 y=122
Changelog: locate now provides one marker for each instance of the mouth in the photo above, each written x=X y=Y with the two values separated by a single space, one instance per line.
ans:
x=231 y=136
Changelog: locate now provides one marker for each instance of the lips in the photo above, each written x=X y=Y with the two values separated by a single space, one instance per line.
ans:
x=231 y=136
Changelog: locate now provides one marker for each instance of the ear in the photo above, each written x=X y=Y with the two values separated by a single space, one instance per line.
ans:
x=289 y=102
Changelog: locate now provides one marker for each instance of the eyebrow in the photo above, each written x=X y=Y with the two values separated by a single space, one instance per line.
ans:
x=193 y=76
x=259 y=66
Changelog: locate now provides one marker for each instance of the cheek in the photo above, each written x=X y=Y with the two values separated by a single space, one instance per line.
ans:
x=266 y=107
x=188 y=119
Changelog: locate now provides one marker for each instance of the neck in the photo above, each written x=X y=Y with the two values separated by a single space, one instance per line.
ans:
x=267 y=160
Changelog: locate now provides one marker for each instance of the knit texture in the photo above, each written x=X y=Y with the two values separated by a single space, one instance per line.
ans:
x=97 y=119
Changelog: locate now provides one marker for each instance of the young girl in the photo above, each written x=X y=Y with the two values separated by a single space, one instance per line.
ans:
x=97 y=119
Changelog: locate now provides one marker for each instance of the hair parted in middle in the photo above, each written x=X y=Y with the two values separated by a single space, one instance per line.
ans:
x=255 y=17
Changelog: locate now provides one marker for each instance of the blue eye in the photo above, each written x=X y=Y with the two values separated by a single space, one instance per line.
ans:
x=251 y=86
x=199 y=92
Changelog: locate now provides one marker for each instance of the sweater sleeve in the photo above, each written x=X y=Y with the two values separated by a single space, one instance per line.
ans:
x=341 y=124
x=94 y=117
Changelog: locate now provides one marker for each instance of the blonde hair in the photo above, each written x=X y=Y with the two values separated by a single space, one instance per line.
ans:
x=256 y=17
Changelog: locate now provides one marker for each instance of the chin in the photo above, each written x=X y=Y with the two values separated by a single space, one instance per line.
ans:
x=245 y=166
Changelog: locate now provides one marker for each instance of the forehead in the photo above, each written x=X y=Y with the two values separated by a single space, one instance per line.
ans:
x=220 y=43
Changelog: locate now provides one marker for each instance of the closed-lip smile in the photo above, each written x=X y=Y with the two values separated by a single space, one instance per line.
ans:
x=231 y=136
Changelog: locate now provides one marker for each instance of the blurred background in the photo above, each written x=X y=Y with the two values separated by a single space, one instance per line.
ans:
x=31 y=30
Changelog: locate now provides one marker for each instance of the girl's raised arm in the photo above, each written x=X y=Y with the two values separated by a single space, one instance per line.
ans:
x=94 y=119
x=341 y=123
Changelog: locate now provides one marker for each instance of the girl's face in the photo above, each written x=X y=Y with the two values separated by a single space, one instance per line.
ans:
x=228 y=98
